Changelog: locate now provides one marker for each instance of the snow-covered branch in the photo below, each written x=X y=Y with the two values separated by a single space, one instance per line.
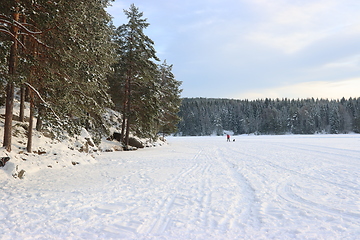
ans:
x=24 y=30
x=12 y=35
x=39 y=96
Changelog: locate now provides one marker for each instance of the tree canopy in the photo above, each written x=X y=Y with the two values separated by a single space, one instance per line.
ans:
x=70 y=63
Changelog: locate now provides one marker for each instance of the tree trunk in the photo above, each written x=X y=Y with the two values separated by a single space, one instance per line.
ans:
x=127 y=132
x=126 y=107
x=122 y=129
x=40 y=117
x=31 y=122
x=22 y=104
x=9 y=105
x=22 y=88
x=124 y=117
x=31 y=100
x=128 y=110
x=126 y=140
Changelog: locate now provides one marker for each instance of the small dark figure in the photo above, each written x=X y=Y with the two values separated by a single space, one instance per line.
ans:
x=234 y=140
x=3 y=160
x=228 y=137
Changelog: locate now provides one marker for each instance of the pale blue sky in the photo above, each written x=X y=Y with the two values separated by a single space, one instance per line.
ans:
x=250 y=49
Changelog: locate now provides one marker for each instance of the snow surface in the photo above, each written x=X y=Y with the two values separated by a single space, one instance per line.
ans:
x=258 y=187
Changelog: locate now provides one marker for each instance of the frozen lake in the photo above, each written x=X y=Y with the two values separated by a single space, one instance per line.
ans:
x=258 y=187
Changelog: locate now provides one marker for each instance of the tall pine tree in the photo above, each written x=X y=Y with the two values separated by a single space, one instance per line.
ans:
x=17 y=30
x=133 y=84
x=61 y=50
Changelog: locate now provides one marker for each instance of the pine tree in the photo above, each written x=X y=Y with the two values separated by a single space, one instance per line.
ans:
x=133 y=84
x=65 y=56
x=17 y=31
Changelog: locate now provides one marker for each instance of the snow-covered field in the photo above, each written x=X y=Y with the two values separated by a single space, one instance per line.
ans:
x=258 y=187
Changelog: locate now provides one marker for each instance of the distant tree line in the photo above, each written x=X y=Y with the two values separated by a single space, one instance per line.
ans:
x=205 y=116
x=70 y=63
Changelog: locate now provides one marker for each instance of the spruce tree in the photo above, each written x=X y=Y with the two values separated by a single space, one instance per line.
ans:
x=83 y=58
x=305 y=116
x=169 y=97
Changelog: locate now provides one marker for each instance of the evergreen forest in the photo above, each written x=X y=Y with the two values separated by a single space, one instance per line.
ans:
x=69 y=64
x=205 y=116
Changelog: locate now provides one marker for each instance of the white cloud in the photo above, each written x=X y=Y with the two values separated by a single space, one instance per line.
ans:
x=292 y=25
x=331 y=90
x=352 y=62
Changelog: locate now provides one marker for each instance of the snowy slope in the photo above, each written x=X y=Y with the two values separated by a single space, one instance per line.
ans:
x=48 y=152
x=258 y=187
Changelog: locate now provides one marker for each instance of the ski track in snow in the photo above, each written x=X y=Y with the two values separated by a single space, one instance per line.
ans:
x=259 y=187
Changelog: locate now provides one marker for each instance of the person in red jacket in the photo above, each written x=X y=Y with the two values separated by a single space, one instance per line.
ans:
x=228 y=137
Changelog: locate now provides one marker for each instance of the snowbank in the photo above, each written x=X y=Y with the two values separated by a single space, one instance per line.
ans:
x=47 y=154
x=51 y=154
